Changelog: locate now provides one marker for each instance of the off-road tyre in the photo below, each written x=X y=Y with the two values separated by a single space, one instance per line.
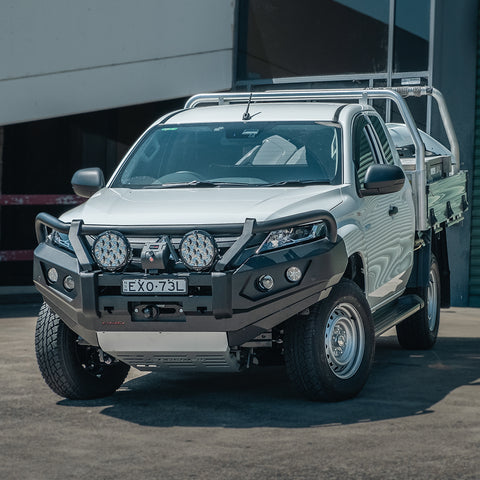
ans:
x=72 y=370
x=419 y=332
x=329 y=352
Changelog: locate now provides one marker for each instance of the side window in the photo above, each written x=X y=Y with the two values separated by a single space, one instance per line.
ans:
x=383 y=140
x=363 y=153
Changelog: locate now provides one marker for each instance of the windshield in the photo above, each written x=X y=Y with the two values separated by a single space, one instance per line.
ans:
x=234 y=154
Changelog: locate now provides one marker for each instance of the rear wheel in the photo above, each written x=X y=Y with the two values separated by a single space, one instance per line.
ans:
x=419 y=332
x=329 y=353
x=69 y=368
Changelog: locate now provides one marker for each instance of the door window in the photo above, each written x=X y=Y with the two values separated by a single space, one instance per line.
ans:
x=382 y=139
x=364 y=153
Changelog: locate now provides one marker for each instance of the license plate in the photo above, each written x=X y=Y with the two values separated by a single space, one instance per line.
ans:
x=164 y=286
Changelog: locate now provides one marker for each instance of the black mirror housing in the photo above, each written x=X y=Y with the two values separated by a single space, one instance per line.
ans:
x=381 y=179
x=87 y=181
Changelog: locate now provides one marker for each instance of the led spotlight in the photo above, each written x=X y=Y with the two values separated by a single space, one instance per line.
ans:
x=111 y=251
x=52 y=275
x=198 y=250
x=68 y=283
x=293 y=274
x=265 y=283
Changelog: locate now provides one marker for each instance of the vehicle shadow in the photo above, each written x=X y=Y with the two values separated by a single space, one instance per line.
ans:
x=402 y=383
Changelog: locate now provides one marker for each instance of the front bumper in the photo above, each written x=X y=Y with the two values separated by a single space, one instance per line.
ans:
x=227 y=301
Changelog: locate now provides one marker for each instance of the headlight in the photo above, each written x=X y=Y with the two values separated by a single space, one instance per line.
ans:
x=293 y=235
x=111 y=251
x=61 y=240
x=198 y=250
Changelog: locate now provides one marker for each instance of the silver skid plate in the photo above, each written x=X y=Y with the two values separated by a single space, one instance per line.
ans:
x=204 y=351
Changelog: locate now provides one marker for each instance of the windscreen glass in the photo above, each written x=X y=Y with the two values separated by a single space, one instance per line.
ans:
x=234 y=154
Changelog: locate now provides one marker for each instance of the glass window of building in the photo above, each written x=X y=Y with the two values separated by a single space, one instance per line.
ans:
x=411 y=35
x=282 y=38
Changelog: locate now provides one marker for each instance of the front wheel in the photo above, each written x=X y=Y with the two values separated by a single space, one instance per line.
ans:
x=419 y=332
x=71 y=369
x=329 y=352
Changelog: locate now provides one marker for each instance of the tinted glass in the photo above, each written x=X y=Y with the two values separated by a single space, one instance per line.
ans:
x=363 y=154
x=233 y=154
x=283 y=38
x=412 y=32
x=383 y=140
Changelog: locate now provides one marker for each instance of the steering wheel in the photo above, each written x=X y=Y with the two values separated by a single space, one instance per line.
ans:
x=177 y=177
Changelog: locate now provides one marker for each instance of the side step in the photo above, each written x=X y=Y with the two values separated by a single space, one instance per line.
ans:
x=392 y=314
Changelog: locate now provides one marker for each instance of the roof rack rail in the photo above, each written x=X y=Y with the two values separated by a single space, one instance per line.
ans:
x=395 y=94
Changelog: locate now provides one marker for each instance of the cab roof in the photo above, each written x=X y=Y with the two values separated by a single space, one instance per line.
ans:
x=263 y=112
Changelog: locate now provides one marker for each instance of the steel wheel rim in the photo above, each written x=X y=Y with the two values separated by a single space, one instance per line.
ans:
x=432 y=301
x=344 y=341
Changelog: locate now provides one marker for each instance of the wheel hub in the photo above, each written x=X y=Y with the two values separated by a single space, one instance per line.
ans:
x=339 y=340
x=344 y=340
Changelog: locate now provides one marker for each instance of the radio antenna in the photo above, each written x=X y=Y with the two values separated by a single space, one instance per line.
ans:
x=246 y=115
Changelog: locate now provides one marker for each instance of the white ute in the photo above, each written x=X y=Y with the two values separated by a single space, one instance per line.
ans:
x=248 y=229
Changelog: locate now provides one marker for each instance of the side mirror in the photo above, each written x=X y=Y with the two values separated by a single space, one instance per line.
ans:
x=381 y=179
x=87 y=181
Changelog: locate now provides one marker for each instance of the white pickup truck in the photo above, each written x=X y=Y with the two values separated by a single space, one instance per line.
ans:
x=251 y=228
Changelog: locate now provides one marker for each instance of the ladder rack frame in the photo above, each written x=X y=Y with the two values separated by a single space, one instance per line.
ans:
x=397 y=95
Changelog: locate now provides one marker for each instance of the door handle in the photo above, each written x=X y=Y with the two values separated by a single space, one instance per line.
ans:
x=392 y=210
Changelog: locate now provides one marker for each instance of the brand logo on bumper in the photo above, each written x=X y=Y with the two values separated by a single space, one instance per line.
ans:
x=117 y=322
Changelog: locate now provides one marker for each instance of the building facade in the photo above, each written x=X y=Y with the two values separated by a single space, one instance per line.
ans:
x=79 y=85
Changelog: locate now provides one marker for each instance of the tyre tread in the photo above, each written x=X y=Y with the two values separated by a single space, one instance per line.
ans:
x=50 y=340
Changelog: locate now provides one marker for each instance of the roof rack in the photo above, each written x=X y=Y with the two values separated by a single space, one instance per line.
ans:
x=396 y=94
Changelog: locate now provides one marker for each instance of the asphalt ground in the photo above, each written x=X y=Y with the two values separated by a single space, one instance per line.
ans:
x=418 y=417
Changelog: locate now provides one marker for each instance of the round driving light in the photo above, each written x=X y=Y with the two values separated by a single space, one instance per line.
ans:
x=293 y=274
x=52 y=275
x=265 y=283
x=68 y=283
x=198 y=250
x=111 y=251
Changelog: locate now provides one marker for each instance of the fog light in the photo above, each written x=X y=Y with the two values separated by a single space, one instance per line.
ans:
x=52 y=275
x=293 y=274
x=265 y=283
x=68 y=283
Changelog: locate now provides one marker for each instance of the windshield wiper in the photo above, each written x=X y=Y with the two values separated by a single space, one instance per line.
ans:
x=296 y=183
x=197 y=184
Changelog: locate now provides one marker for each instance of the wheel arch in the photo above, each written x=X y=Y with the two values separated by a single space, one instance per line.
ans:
x=433 y=243
x=355 y=270
x=440 y=250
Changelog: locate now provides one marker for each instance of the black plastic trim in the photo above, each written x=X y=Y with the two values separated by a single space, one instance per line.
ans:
x=228 y=228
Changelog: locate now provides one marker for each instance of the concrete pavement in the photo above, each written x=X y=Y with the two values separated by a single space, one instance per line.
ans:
x=418 y=417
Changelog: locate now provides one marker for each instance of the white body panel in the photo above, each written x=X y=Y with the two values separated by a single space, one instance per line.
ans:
x=197 y=206
x=383 y=241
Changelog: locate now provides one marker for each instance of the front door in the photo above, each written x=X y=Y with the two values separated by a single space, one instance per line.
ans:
x=388 y=220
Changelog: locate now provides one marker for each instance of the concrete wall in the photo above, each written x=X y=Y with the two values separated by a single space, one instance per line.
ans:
x=61 y=57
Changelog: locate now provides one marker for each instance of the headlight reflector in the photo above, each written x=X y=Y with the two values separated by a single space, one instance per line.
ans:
x=111 y=251
x=198 y=250
x=61 y=240
x=290 y=236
